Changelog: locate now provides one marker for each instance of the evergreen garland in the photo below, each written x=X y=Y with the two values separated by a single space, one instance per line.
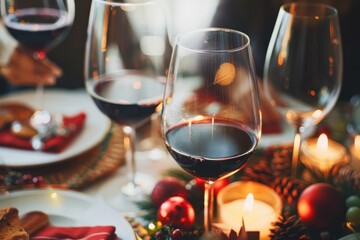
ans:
x=289 y=224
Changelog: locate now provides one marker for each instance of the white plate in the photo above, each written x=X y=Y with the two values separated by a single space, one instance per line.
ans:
x=68 y=208
x=59 y=102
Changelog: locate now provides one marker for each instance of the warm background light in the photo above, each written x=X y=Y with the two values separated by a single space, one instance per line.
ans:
x=323 y=153
x=355 y=153
x=357 y=143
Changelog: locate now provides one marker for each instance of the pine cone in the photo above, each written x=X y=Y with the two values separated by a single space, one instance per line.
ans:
x=259 y=172
x=281 y=161
x=289 y=228
x=348 y=178
x=288 y=188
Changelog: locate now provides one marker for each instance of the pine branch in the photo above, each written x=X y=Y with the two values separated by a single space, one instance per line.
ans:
x=148 y=208
x=179 y=174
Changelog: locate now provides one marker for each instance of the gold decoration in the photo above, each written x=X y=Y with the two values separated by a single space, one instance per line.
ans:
x=225 y=74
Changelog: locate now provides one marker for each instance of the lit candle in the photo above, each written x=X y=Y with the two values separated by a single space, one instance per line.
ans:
x=355 y=153
x=253 y=202
x=257 y=217
x=322 y=153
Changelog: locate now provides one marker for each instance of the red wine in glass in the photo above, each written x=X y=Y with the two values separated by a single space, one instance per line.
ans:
x=211 y=118
x=38 y=29
x=210 y=150
x=128 y=99
x=39 y=26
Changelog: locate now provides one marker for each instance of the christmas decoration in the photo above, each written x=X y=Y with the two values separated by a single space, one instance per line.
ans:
x=218 y=185
x=177 y=234
x=273 y=162
x=289 y=189
x=321 y=206
x=353 y=215
x=353 y=212
x=353 y=201
x=178 y=212
x=167 y=232
x=280 y=162
x=10 y=180
x=271 y=166
x=259 y=172
x=166 y=188
x=138 y=228
x=289 y=228
x=348 y=180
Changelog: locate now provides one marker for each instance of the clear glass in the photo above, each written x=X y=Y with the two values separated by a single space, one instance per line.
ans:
x=303 y=66
x=39 y=25
x=125 y=63
x=211 y=119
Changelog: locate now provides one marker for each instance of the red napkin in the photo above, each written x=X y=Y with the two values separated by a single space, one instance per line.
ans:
x=54 y=144
x=68 y=233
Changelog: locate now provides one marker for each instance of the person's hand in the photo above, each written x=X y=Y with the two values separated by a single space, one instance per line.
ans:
x=24 y=69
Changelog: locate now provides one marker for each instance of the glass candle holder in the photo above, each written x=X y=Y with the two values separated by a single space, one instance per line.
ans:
x=233 y=207
x=355 y=153
x=323 y=154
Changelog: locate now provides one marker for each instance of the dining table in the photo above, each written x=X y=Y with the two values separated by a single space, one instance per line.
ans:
x=97 y=170
x=93 y=163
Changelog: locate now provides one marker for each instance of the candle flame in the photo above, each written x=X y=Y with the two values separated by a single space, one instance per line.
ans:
x=322 y=142
x=357 y=143
x=249 y=203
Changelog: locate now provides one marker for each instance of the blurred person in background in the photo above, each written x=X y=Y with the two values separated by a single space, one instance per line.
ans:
x=65 y=64
x=19 y=68
x=63 y=67
x=257 y=19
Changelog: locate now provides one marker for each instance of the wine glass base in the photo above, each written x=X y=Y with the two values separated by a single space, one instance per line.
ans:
x=143 y=185
x=155 y=154
x=114 y=195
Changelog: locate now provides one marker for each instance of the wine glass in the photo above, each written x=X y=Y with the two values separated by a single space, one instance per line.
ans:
x=303 y=66
x=211 y=118
x=125 y=70
x=39 y=25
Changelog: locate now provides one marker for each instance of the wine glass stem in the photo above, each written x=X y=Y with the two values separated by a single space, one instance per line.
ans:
x=40 y=96
x=295 y=155
x=208 y=205
x=39 y=56
x=129 y=146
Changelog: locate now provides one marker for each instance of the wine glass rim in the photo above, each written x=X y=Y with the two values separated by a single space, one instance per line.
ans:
x=118 y=3
x=225 y=30
x=286 y=8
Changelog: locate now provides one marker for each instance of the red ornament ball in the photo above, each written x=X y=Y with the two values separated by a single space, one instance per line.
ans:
x=166 y=188
x=218 y=184
x=177 y=212
x=321 y=206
